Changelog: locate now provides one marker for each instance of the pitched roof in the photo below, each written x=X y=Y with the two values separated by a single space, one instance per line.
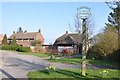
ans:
x=1 y=37
x=23 y=35
x=69 y=39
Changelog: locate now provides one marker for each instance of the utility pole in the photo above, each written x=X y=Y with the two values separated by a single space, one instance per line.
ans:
x=84 y=14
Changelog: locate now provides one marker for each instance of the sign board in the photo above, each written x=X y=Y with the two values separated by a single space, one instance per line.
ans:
x=83 y=12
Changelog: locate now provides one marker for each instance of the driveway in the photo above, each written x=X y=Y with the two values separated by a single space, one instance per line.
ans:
x=13 y=65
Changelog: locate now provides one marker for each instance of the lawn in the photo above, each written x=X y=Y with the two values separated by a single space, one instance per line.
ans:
x=37 y=54
x=78 y=60
x=73 y=73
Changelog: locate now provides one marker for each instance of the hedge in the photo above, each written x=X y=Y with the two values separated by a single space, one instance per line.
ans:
x=15 y=47
x=6 y=47
x=23 y=49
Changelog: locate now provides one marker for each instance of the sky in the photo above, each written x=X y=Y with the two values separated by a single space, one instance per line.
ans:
x=52 y=18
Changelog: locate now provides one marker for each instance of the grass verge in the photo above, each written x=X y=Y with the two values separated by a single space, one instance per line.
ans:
x=37 y=54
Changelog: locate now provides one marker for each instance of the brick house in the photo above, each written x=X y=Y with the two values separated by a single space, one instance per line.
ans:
x=1 y=38
x=26 y=38
x=72 y=42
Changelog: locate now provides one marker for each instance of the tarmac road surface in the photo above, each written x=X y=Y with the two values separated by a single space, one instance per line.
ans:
x=14 y=65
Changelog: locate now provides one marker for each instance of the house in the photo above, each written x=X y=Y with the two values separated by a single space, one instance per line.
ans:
x=72 y=42
x=47 y=46
x=1 y=38
x=25 y=39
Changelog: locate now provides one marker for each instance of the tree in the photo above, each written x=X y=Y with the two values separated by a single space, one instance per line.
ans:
x=38 y=44
x=14 y=41
x=95 y=39
x=105 y=44
x=19 y=30
x=77 y=26
x=4 y=41
x=114 y=17
x=90 y=25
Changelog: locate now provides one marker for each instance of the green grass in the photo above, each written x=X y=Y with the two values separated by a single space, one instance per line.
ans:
x=73 y=73
x=78 y=60
x=37 y=54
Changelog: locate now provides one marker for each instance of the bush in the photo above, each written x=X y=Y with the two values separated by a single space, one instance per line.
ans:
x=9 y=47
x=115 y=56
x=5 y=47
x=96 y=52
x=16 y=48
x=23 y=49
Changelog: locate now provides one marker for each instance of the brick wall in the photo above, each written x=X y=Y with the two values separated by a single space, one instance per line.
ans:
x=24 y=43
x=39 y=37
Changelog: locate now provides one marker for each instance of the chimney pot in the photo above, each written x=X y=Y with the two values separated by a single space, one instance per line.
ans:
x=13 y=32
x=79 y=31
x=66 y=32
x=25 y=31
x=39 y=30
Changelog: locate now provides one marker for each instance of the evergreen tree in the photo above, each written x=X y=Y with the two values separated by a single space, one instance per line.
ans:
x=114 y=17
x=14 y=41
x=19 y=30
x=4 y=41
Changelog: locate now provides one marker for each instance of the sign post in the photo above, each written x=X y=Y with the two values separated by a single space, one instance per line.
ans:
x=84 y=14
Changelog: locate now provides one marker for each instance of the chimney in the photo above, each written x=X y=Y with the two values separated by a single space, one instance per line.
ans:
x=79 y=32
x=39 y=31
x=13 y=32
x=25 y=31
x=66 y=32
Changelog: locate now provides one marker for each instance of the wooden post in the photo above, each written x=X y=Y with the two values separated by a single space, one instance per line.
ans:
x=84 y=47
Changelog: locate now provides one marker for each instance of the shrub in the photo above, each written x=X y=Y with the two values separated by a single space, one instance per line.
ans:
x=99 y=52
x=9 y=47
x=5 y=47
x=95 y=51
x=14 y=47
x=115 y=56
x=23 y=49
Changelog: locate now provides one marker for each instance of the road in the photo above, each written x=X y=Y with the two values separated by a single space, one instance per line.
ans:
x=14 y=65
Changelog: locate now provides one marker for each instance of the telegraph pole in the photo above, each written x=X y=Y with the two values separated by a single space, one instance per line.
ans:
x=84 y=14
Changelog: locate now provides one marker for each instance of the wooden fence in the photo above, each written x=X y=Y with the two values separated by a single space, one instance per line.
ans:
x=51 y=51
